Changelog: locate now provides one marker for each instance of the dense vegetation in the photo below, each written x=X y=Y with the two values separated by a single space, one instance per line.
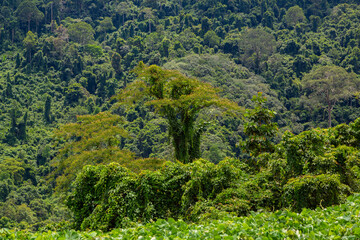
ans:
x=69 y=98
x=338 y=222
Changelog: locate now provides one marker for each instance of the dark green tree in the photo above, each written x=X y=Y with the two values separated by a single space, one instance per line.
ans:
x=116 y=64
x=211 y=39
x=259 y=128
x=293 y=16
x=205 y=25
x=27 y=12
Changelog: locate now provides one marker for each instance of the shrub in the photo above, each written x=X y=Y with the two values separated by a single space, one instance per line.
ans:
x=312 y=191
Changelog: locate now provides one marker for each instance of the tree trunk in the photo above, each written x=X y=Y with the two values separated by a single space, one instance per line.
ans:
x=29 y=24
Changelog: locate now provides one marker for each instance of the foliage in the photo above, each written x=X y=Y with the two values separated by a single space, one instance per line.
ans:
x=329 y=84
x=259 y=128
x=91 y=140
x=330 y=223
x=202 y=39
x=313 y=191
x=179 y=99
x=81 y=32
x=175 y=191
x=293 y=16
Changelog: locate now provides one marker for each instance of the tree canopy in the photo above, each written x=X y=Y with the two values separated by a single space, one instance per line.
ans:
x=81 y=32
x=329 y=84
x=27 y=12
x=179 y=99
x=92 y=140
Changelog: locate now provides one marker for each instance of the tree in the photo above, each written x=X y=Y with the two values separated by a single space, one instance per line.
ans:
x=116 y=63
x=179 y=99
x=124 y=9
x=205 y=25
x=211 y=39
x=257 y=45
x=105 y=25
x=149 y=15
x=92 y=140
x=259 y=128
x=30 y=42
x=329 y=84
x=27 y=11
x=17 y=130
x=268 y=19
x=81 y=32
x=293 y=16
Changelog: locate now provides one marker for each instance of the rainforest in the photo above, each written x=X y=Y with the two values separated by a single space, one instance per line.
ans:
x=179 y=119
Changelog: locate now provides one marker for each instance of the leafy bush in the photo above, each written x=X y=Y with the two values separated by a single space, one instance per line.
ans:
x=107 y=197
x=313 y=191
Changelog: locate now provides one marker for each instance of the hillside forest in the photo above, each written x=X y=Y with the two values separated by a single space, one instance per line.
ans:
x=125 y=112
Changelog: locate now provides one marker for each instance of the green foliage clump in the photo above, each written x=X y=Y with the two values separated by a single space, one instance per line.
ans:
x=312 y=191
x=175 y=190
x=317 y=167
x=259 y=128
x=109 y=196
x=81 y=32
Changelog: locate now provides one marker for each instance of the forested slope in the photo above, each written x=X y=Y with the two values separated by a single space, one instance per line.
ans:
x=60 y=59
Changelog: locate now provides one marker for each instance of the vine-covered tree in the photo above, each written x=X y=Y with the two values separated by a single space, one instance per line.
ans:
x=47 y=109
x=179 y=99
x=149 y=15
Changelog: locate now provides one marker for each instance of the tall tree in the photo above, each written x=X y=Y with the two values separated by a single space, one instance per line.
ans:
x=329 y=84
x=27 y=12
x=124 y=9
x=257 y=45
x=179 y=99
x=116 y=64
x=30 y=42
x=149 y=15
